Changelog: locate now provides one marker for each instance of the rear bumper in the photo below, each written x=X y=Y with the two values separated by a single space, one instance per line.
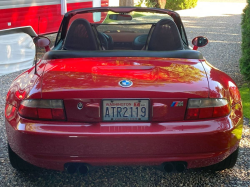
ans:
x=50 y=145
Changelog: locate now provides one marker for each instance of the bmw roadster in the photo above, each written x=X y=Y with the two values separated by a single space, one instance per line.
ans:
x=126 y=91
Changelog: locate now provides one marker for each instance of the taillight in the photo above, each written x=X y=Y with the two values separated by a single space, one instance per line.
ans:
x=42 y=109
x=207 y=108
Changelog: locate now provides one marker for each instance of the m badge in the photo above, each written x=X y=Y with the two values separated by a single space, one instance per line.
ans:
x=177 y=103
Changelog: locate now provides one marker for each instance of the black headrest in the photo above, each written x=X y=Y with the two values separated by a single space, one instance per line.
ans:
x=80 y=36
x=165 y=37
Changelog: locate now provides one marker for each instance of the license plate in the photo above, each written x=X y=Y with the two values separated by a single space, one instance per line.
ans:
x=125 y=110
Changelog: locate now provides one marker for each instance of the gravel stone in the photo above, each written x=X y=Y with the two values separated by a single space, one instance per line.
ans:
x=224 y=53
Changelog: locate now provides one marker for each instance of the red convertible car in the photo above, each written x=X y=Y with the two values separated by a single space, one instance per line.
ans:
x=126 y=91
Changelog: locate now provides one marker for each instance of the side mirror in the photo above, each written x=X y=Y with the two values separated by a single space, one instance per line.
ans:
x=199 y=41
x=41 y=41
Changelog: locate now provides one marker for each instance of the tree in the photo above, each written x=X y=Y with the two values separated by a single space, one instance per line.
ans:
x=126 y=2
x=160 y=3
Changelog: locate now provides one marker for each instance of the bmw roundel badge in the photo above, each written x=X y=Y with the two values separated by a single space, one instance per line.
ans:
x=80 y=106
x=125 y=83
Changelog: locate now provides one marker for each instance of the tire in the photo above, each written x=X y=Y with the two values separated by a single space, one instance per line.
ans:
x=228 y=163
x=17 y=162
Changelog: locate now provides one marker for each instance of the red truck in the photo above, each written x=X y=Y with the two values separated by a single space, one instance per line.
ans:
x=39 y=16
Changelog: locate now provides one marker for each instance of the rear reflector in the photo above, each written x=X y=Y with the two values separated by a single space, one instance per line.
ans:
x=42 y=109
x=207 y=108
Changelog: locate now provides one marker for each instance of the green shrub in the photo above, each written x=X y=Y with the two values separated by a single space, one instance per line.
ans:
x=180 y=4
x=148 y=3
x=245 y=46
x=170 y=4
x=244 y=93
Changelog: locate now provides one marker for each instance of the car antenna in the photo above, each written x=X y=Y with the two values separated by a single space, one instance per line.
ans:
x=36 y=45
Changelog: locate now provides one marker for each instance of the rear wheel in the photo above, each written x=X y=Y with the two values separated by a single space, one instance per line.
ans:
x=228 y=163
x=17 y=162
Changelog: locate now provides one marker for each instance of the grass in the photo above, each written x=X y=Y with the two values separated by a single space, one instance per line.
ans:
x=245 y=96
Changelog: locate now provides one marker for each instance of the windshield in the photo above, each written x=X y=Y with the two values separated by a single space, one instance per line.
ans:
x=124 y=31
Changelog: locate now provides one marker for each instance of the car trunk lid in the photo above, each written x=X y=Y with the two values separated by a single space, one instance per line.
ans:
x=89 y=80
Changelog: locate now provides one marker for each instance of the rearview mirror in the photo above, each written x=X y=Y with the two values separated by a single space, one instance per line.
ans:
x=120 y=17
x=41 y=41
x=199 y=41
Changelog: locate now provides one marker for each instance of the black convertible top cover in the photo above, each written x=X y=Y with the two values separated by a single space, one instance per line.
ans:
x=61 y=54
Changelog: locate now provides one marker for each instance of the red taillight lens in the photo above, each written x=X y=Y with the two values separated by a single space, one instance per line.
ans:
x=58 y=114
x=42 y=109
x=28 y=112
x=207 y=108
x=44 y=113
x=193 y=113
x=206 y=112
x=221 y=111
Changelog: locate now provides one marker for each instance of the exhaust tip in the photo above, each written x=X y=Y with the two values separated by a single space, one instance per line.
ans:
x=168 y=167
x=70 y=168
x=180 y=167
x=177 y=166
x=83 y=169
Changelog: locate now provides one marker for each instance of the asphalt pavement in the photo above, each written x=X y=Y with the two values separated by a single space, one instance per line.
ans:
x=220 y=22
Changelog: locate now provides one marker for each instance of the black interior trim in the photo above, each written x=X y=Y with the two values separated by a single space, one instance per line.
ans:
x=97 y=38
x=61 y=54
x=149 y=36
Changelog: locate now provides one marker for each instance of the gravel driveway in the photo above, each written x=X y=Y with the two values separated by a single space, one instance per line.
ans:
x=223 y=31
x=220 y=23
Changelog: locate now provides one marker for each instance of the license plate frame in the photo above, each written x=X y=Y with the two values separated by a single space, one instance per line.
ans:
x=122 y=100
